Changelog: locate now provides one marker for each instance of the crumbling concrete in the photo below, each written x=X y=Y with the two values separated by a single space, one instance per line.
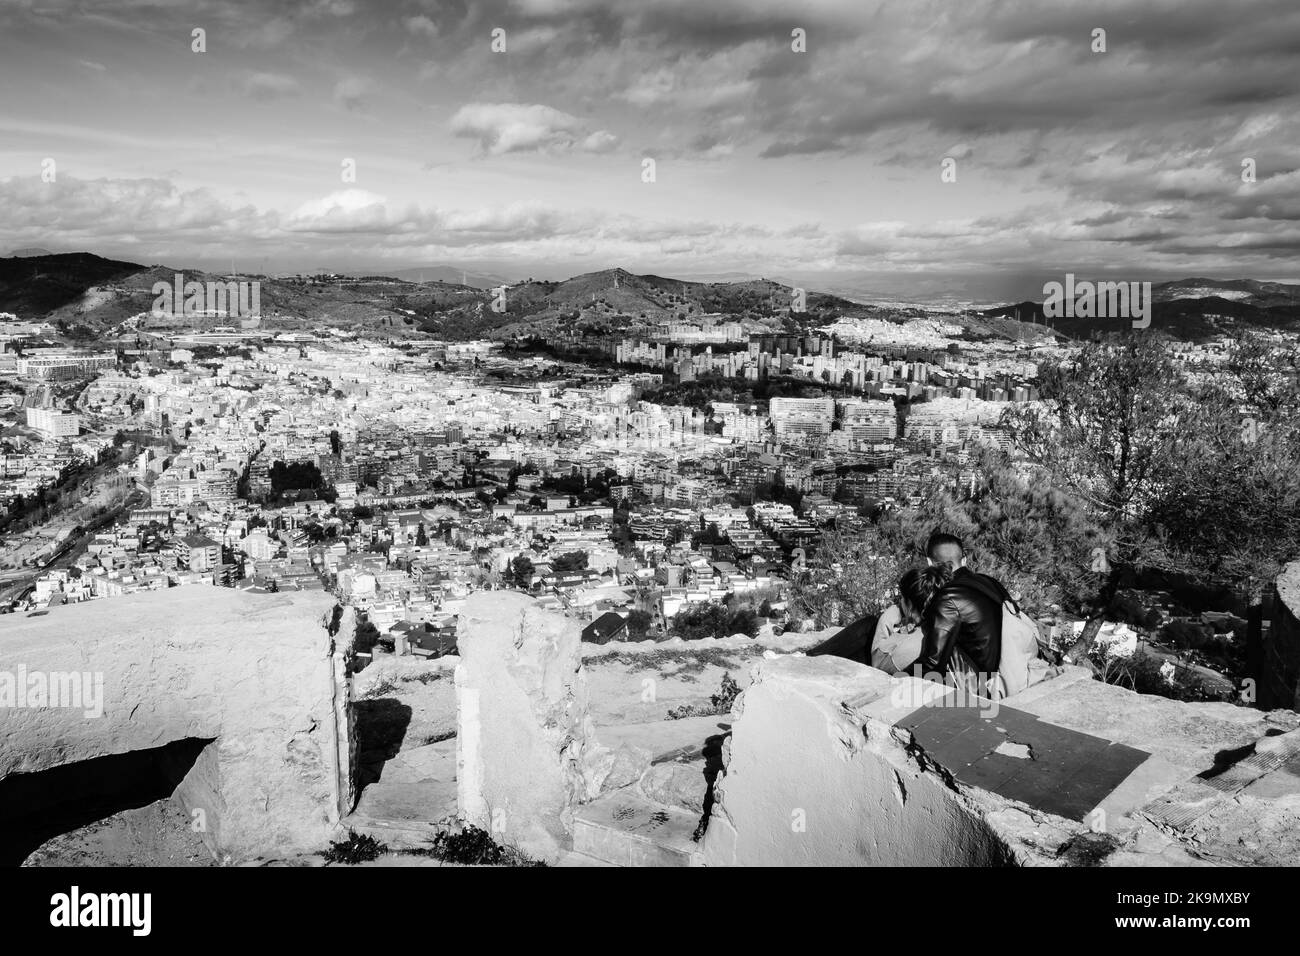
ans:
x=811 y=781
x=823 y=767
x=260 y=676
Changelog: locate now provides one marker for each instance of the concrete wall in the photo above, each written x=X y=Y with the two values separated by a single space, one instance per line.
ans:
x=259 y=675
x=809 y=781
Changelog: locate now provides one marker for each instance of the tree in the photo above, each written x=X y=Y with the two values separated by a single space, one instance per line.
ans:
x=1181 y=476
x=521 y=571
x=571 y=562
x=697 y=621
x=421 y=536
x=638 y=624
x=1107 y=429
x=708 y=535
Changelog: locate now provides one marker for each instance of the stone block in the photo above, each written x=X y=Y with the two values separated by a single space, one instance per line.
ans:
x=257 y=676
x=525 y=745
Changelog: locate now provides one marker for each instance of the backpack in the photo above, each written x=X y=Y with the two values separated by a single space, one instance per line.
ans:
x=1018 y=666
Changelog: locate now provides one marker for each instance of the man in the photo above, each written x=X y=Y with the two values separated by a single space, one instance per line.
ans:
x=962 y=627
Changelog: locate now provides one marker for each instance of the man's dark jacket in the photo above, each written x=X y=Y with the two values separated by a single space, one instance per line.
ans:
x=967 y=616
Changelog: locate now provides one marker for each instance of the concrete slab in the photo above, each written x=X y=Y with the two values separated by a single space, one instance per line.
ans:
x=626 y=829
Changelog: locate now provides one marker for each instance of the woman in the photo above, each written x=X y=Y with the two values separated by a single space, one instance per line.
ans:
x=897 y=641
x=917 y=590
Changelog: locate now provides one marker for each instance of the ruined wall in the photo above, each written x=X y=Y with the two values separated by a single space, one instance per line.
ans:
x=809 y=781
x=831 y=762
x=259 y=675
x=524 y=736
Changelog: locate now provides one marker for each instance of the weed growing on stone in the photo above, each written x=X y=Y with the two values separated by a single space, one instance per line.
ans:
x=719 y=704
x=426 y=678
x=382 y=689
x=472 y=846
x=676 y=663
x=357 y=848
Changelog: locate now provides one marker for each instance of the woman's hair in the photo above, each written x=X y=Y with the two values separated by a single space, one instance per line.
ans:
x=917 y=588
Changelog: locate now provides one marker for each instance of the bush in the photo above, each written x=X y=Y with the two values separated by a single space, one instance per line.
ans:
x=698 y=621
x=472 y=846
x=357 y=848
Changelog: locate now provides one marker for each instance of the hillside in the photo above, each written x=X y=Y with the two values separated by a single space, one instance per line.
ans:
x=1187 y=309
x=35 y=286
x=81 y=289
x=617 y=301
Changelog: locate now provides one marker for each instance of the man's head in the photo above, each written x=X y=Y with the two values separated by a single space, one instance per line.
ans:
x=945 y=550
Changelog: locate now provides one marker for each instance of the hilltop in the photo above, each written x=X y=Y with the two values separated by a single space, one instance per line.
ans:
x=615 y=300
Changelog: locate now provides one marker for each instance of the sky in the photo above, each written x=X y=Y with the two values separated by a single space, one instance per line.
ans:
x=822 y=165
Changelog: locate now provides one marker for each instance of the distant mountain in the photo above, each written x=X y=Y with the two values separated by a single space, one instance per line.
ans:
x=1187 y=309
x=33 y=251
x=1249 y=291
x=451 y=275
x=81 y=289
x=614 y=301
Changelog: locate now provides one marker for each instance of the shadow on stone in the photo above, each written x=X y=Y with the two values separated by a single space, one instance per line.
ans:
x=712 y=767
x=35 y=807
x=381 y=728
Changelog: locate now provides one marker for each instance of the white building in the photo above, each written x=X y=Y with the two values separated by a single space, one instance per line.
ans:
x=54 y=424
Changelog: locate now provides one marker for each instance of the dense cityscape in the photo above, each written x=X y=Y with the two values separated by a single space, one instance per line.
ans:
x=402 y=475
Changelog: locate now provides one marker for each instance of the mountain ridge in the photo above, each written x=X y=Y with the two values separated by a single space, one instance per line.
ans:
x=99 y=294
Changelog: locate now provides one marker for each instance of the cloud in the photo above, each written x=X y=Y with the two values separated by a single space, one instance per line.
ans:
x=350 y=91
x=265 y=87
x=421 y=26
x=502 y=128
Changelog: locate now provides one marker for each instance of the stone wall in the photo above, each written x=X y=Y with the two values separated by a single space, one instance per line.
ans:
x=834 y=763
x=811 y=782
x=260 y=676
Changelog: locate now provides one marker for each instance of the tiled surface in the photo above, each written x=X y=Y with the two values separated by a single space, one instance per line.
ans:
x=1065 y=772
